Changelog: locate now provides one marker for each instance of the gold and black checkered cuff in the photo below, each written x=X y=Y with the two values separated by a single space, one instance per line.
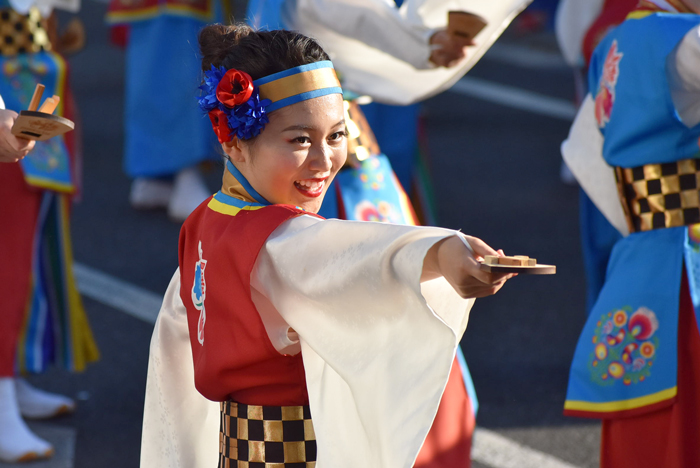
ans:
x=266 y=437
x=656 y=196
x=22 y=34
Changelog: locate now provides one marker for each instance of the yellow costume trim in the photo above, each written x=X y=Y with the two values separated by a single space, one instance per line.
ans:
x=300 y=83
x=50 y=184
x=223 y=208
x=621 y=405
x=640 y=14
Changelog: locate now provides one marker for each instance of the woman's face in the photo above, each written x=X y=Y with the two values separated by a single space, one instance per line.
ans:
x=297 y=155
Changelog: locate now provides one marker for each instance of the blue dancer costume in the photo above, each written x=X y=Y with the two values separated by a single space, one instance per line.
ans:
x=627 y=356
x=164 y=133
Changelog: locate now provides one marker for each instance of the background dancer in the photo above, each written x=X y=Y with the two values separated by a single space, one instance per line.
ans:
x=164 y=145
x=638 y=359
x=41 y=316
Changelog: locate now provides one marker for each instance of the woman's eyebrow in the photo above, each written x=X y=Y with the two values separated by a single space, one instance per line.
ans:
x=299 y=127
x=309 y=127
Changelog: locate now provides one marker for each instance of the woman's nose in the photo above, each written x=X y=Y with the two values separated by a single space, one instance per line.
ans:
x=321 y=159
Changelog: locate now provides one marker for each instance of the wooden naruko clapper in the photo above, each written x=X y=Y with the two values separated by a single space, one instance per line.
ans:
x=517 y=264
x=41 y=124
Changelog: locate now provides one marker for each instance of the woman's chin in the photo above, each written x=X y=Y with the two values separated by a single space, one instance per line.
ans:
x=311 y=205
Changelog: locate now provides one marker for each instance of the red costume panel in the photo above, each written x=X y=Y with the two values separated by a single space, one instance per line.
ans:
x=19 y=210
x=613 y=13
x=666 y=438
x=449 y=442
x=233 y=356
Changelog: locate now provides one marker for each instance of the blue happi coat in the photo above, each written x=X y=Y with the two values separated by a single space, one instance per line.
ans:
x=626 y=359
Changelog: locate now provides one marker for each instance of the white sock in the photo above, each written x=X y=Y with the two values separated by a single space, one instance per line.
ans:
x=17 y=441
x=149 y=194
x=38 y=404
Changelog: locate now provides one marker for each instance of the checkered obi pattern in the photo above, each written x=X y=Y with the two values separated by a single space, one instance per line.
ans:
x=22 y=34
x=266 y=437
x=656 y=196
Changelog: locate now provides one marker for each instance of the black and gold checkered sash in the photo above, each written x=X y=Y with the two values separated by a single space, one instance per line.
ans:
x=22 y=34
x=361 y=140
x=266 y=437
x=656 y=196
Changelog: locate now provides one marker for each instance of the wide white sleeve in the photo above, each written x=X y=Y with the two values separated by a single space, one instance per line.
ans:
x=377 y=345
x=684 y=77
x=571 y=23
x=378 y=51
x=180 y=426
x=583 y=153
x=377 y=23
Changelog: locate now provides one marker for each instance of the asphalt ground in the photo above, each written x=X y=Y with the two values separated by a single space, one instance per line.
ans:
x=496 y=176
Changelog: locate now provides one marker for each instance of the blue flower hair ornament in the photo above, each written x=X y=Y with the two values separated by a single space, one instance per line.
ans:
x=233 y=104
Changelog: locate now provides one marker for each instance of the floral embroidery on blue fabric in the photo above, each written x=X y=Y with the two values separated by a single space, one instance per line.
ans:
x=624 y=346
x=605 y=98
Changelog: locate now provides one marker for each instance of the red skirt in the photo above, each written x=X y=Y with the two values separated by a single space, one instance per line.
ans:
x=449 y=441
x=668 y=438
x=19 y=211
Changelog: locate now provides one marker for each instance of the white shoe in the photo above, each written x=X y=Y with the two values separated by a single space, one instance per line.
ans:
x=17 y=442
x=38 y=404
x=149 y=194
x=189 y=191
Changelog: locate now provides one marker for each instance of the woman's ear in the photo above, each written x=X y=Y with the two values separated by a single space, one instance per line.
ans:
x=234 y=149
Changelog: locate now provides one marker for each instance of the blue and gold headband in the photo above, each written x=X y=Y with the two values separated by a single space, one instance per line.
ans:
x=238 y=106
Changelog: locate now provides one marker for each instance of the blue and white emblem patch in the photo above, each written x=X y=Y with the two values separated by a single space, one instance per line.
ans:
x=199 y=293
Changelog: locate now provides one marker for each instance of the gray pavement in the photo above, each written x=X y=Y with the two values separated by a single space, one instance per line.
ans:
x=496 y=173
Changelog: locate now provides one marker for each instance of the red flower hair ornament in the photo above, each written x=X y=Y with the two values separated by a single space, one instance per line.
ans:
x=219 y=122
x=234 y=79
x=233 y=104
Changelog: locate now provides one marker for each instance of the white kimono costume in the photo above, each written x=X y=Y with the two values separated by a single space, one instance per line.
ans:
x=377 y=345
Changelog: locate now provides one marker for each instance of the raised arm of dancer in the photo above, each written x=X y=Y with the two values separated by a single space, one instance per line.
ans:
x=684 y=77
x=379 y=24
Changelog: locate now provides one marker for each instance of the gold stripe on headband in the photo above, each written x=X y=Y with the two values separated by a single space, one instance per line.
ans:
x=304 y=82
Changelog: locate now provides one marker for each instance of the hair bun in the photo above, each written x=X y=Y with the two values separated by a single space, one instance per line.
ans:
x=216 y=41
x=258 y=53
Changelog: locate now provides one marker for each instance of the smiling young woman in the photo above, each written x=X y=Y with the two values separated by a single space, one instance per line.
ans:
x=322 y=340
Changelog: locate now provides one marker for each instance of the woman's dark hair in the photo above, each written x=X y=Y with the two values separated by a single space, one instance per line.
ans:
x=258 y=53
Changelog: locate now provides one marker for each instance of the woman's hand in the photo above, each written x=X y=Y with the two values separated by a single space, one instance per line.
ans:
x=447 y=50
x=12 y=149
x=452 y=259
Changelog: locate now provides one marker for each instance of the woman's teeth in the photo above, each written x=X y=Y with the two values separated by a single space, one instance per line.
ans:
x=310 y=185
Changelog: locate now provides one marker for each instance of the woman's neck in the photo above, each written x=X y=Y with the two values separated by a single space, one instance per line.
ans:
x=235 y=185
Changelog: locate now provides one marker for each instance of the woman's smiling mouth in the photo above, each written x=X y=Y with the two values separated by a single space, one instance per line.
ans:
x=311 y=187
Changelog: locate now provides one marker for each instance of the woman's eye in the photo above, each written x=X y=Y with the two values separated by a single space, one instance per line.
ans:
x=302 y=140
x=338 y=135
